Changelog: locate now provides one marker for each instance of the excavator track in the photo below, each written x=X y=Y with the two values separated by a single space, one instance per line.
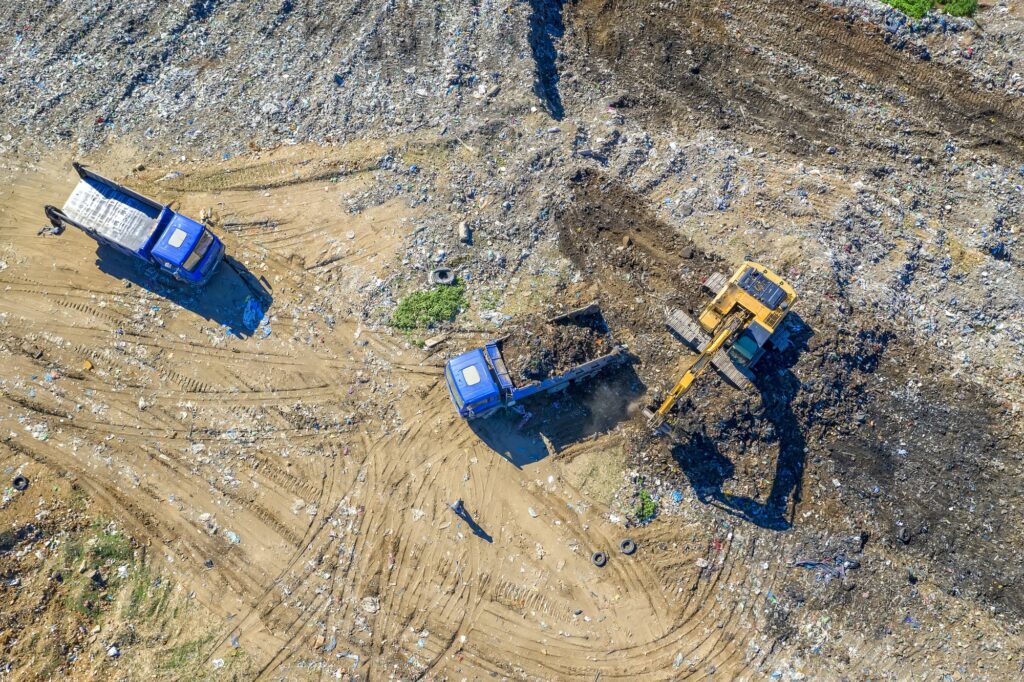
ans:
x=697 y=339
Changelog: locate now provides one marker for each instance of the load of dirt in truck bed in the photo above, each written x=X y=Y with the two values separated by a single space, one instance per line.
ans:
x=539 y=349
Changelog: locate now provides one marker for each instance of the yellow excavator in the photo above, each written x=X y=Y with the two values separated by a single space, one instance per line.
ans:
x=745 y=316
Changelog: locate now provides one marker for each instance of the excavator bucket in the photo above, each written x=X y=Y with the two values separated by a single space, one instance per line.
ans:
x=658 y=425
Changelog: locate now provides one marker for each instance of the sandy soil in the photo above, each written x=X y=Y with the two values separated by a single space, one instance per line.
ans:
x=272 y=464
x=349 y=561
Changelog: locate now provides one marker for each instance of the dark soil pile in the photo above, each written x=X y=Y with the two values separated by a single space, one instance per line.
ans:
x=538 y=349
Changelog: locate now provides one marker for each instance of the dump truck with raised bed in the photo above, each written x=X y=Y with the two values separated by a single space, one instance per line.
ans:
x=142 y=228
x=547 y=356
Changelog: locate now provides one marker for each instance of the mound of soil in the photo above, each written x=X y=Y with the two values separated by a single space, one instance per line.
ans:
x=538 y=349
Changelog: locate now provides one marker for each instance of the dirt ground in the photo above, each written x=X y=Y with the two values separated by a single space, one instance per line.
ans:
x=252 y=481
x=185 y=433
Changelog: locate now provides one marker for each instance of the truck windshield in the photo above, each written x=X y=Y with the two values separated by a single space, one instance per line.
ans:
x=202 y=246
x=452 y=388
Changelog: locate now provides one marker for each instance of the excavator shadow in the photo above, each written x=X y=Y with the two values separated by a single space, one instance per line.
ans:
x=547 y=424
x=234 y=298
x=708 y=469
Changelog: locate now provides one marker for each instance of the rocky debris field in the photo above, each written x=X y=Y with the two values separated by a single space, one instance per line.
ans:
x=853 y=515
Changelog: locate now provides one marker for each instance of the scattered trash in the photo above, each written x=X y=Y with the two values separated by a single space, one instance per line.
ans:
x=253 y=313
x=232 y=537
x=434 y=341
x=465 y=233
x=829 y=568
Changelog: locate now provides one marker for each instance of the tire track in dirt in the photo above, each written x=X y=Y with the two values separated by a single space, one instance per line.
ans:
x=735 y=39
x=273 y=414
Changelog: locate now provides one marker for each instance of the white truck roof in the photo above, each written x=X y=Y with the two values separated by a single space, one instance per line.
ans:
x=116 y=216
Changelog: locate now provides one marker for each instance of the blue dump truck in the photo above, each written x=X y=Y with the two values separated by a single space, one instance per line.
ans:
x=480 y=383
x=138 y=226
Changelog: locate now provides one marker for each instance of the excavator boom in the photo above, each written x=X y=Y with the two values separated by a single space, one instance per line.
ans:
x=703 y=361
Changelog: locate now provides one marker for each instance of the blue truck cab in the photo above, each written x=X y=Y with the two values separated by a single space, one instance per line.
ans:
x=112 y=214
x=479 y=383
x=471 y=385
x=187 y=250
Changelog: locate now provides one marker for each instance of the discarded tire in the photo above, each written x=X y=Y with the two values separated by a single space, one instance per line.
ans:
x=627 y=546
x=599 y=559
x=442 y=276
x=20 y=483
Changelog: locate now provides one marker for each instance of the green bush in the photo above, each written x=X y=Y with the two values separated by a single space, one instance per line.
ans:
x=424 y=308
x=647 y=508
x=960 y=8
x=912 y=8
x=918 y=8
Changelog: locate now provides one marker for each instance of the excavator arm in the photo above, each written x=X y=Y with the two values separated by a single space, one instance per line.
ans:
x=725 y=330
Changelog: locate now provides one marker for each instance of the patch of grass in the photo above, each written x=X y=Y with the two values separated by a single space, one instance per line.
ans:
x=73 y=552
x=84 y=599
x=112 y=546
x=647 y=508
x=141 y=581
x=424 y=308
x=960 y=8
x=185 y=654
x=912 y=8
x=79 y=500
x=158 y=606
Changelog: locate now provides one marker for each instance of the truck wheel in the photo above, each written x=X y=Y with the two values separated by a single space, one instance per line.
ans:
x=20 y=483
x=627 y=546
x=599 y=559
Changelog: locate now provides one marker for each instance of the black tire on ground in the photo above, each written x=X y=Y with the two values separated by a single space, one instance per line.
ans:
x=627 y=546
x=442 y=276
x=599 y=559
x=20 y=483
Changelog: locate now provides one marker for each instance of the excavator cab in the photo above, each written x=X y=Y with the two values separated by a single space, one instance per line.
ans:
x=733 y=331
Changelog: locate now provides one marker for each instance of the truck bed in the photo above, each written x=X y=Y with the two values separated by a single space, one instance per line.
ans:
x=103 y=207
x=589 y=316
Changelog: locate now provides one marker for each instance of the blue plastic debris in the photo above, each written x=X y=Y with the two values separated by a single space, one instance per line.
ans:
x=253 y=313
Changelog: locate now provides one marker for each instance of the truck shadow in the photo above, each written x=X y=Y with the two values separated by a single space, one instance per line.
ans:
x=549 y=424
x=234 y=298
x=708 y=470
